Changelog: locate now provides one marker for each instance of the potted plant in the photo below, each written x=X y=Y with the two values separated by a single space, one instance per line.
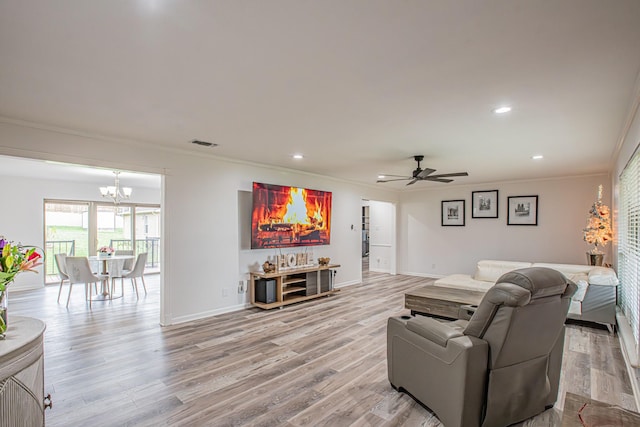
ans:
x=598 y=230
x=105 y=251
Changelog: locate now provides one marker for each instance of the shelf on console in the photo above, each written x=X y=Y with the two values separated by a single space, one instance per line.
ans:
x=310 y=282
x=292 y=289
x=289 y=281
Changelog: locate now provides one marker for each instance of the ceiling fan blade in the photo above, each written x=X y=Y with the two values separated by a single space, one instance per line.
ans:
x=437 y=179
x=413 y=181
x=446 y=175
x=424 y=173
x=395 y=179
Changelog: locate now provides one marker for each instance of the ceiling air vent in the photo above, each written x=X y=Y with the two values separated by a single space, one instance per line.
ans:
x=204 y=143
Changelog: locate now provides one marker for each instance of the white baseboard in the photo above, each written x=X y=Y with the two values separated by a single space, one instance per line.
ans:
x=349 y=283
x=427 y=275
x=23 y=287
x=205 y=314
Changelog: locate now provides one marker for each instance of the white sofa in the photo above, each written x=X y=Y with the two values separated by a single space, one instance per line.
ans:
x=594 y=301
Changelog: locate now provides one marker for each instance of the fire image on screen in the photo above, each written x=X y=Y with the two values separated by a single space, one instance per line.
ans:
x=289 y=216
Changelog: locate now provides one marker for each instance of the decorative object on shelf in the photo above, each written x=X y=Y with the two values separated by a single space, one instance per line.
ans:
x=598 y=229
x=13 y=260
x=115 y=192
x=105 y=251
x=324 y=261
x=452 y=213
x=522 y=210
x=484 y=204
x=293 y=260
x=268 y=267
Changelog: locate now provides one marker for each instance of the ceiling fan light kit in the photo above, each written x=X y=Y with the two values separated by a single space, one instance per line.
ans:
x=420 y=174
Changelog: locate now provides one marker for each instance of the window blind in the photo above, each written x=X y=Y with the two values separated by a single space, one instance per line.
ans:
x=629 y=246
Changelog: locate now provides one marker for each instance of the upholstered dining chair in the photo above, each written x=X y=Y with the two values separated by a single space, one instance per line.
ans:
x=62 y=270
x=136 y=272
x=498 y=368
x=79 y=271
x=128 y=263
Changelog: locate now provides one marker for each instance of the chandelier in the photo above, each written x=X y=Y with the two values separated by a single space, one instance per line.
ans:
x=115 y=192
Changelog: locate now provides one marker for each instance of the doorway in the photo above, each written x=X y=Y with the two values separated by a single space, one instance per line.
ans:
x=378 y=236
x=365 y=235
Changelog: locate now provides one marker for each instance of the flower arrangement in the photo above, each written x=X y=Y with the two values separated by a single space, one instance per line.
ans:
x=598 y=230
x=108 y=250
x=13 y=260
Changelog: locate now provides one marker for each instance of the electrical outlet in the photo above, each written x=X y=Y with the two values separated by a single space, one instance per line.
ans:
x=225 y=292
x=241 y=286
x=433 y=266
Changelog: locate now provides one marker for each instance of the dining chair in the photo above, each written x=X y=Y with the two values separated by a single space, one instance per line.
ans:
x=128 y=263
x=136 y=272
x=79 y=271
x=62 y=270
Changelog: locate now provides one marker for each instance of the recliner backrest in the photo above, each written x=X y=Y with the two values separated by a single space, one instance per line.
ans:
x=522 y=314
x=522 y=319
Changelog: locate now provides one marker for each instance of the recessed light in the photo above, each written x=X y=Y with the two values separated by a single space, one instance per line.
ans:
x=298 y=156
x=537 y=157
x=502 y=110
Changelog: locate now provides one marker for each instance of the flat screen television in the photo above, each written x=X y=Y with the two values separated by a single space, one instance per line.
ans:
x=285 y=216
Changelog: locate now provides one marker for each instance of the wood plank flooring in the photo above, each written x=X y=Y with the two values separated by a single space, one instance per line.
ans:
x=318 y=363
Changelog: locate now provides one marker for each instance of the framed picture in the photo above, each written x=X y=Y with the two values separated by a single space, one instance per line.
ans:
x=522 y=210
x=484 y=204
x=453 y=213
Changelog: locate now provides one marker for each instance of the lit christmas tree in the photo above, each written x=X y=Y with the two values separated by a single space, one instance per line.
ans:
x=598 y=231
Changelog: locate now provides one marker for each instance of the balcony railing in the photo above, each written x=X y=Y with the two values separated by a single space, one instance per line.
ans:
x=53 y=247
x=150 y=245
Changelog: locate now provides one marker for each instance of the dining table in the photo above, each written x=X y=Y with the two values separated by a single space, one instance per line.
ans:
x=109 y=266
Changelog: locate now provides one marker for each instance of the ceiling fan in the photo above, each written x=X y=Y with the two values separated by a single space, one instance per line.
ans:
x=420 y=174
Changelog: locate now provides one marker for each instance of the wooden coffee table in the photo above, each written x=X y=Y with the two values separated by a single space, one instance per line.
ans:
x=440 y=301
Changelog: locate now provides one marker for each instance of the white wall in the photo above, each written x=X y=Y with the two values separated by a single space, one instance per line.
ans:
x=22 y=215
x=426 y=248
x=204 y=212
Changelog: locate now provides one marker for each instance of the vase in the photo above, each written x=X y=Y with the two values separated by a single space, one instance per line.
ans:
x=3 y=313
x=595 y=259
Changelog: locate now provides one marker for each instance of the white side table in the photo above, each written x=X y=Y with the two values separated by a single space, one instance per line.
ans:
x=22 y=373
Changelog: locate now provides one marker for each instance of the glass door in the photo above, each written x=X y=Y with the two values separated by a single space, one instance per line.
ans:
x=81 y=228
x=66 y=227
x=147 y=226
x=114 y=227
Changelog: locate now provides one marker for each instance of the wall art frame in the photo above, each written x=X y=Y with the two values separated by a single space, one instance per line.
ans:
x=522 y=210
x=452 y=213
x=484 y=204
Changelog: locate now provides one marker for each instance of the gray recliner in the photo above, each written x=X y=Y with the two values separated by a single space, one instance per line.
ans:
x=500 y=367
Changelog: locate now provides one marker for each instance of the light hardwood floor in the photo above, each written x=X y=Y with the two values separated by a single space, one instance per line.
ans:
x=319 y=363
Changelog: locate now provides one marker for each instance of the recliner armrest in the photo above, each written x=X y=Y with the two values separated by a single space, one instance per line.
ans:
x=465 y=312
x=433 y=330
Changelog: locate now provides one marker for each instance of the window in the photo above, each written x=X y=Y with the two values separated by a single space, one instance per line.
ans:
x=629 y=245
x=80 y=227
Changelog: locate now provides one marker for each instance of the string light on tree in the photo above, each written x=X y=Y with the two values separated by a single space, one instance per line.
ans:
x=598 y=230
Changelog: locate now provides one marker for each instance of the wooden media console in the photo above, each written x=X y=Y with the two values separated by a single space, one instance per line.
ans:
x=280 y=288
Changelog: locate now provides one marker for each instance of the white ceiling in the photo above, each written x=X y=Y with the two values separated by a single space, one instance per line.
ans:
x=357 y=86
x=31 y=168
